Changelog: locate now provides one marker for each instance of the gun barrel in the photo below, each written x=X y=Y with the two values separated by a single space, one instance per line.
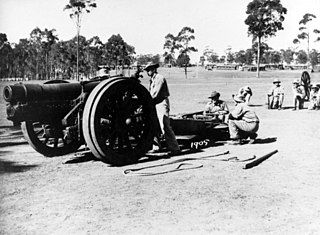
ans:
x=45 y=92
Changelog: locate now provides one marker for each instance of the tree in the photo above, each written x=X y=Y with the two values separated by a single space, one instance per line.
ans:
x=170 y=45
x=249 y=56
x=240 y=57
x=305 y=33
x=302 y=57
x=47 y=40
x=168 y=58
x=5 y=52
x=314 y=57
x=182 y=60
x=264 y=19
x=185 y=36
x=117 y=52
x=229 y=55
x=94 y=54
x=78 y=8
x=287 y=55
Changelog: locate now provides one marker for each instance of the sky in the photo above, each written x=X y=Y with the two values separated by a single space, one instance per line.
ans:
x=218 y=24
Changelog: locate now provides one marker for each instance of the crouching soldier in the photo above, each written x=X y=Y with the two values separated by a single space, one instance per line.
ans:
x=276 y=95
x=299 y=94
x=243 y=123
x=215 y=107
x=314 y=98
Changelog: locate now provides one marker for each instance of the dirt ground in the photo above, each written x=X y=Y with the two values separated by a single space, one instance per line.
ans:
x=80 y=195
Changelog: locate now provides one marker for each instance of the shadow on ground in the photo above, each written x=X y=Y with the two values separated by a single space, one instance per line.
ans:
x=12 y=143
x=265 y=141
x=12 y=167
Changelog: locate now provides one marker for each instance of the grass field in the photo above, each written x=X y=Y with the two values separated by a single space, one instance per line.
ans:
x=280 y=196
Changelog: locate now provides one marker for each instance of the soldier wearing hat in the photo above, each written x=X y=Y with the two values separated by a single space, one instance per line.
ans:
x=314 y=97
x=243 y=123
x=216 y=107
x=160 y=96
x=246 y=92
x=299 y=94
x=275 y=96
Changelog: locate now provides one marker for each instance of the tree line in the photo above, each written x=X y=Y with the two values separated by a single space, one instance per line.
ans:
x=267 y=56
x=44 y=56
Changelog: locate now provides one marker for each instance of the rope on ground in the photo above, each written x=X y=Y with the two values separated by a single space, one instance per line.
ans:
x=182 y=166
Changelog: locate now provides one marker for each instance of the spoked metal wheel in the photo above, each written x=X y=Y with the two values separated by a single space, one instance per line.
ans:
x=48 y=140
x=305 y=81
x=118 y=121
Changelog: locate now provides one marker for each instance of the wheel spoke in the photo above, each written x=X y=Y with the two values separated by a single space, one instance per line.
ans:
x=56 y=139
x=46 y=140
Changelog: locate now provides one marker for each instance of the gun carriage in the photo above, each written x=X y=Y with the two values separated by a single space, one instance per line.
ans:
x=114 y=117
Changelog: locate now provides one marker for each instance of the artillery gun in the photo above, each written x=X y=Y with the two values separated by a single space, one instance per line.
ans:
x=113 y=116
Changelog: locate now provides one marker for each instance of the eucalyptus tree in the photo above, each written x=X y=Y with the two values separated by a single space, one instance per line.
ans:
x=5 y=51
x=287 y=55
x=94 y=54
x=302 y=57
x=170 y=45
x=35 y=51
x=240 y=57
x=305 y=32
x=184 y=38
x=117 y=52
x=314 y=57
x=48 y=39
x=78 y=8
x=21 y=59
x=264 y=19
x=210 y=55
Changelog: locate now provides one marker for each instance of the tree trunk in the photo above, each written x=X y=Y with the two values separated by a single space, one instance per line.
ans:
x=185 y=71
x=258 y=58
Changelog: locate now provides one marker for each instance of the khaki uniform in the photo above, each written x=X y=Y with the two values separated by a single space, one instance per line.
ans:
x=298 y=96
x=314 y=99
x=159 y=92
x=276 y=96
x=212 y=107
x=242 y=119
x=246 y=92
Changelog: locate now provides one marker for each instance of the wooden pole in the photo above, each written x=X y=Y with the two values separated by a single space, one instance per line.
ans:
x=259 y=160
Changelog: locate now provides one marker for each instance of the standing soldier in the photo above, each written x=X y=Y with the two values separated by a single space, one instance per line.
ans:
x=160 y=96
x=298 y=95
x=276 y=95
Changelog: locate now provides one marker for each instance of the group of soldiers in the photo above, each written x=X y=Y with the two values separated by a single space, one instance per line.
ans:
x=243 y=123
x=302 y=91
